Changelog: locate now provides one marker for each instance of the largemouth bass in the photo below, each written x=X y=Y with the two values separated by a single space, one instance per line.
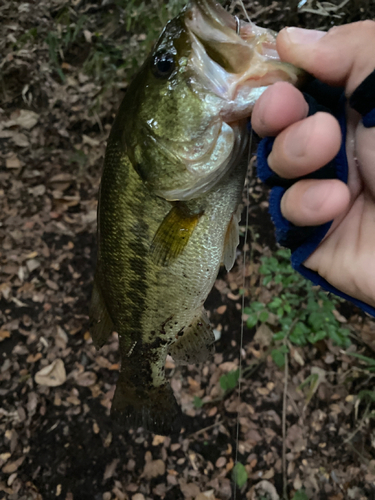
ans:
x=173 y=175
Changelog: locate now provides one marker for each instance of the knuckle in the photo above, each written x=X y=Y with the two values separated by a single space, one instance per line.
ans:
x=368 y=25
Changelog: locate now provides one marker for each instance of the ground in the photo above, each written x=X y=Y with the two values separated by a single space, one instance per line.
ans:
x=59 y=97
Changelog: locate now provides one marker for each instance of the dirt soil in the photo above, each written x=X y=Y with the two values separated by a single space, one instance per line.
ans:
x=58 y=440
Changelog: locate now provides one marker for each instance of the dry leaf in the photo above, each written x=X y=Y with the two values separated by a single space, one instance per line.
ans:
x=138 y=496
x=189 y=490
x=261 y=490
x=221 y=309
x=110 y=469
x=158 y=440
x=11 y=467
x=263 y=335
x=38 y=190
x=86 y=379
x=153 y=468
x=13 y=162
x=207 y=495
x=4 y=334
x=20 y=140
x=52 y=375
x=23 y=118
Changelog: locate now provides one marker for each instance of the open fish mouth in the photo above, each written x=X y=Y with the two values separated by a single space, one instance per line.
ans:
x=232 y=57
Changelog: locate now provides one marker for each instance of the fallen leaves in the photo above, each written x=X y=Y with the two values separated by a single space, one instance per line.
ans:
x=13 y=162
x=11 y=467
x=52 y=375
x=22 y=118
x=48 y=188
x=263 y=489
x=86 y=379
x=152 y=468
x=4 y=334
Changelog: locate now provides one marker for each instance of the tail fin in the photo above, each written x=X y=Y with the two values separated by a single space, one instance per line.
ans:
x=143 y=405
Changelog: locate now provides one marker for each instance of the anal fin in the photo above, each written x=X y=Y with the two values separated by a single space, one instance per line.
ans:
x=196 y=344
x=173 y=234
x=101 y=325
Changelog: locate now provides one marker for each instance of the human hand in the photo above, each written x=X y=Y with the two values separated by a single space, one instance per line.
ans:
x=342 y=57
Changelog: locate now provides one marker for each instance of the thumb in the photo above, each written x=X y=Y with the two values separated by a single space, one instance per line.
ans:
x=344 y=56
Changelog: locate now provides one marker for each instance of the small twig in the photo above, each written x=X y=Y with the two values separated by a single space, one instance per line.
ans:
x=201 y=431
x=365 y=460
x=283 y=424
x=360 y=425
x=286 y=374
x=264 y=10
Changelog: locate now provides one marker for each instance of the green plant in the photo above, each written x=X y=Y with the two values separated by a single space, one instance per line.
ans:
x=229 y=380
x=198 y=402
x=239 y=475
x=67 y=29
x=300 y=495
x=370 y=362
x=297 y=310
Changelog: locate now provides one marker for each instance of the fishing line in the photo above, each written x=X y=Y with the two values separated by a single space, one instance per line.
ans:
x=245 y=12
x=238 y=28
x=243 y=305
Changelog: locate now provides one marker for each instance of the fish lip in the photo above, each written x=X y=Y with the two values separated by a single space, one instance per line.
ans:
x=216 y=30
x=215 y=13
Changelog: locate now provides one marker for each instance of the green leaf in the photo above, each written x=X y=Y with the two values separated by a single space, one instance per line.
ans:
x=367 y=395
x=252 y=320
x=278 y=355
x=367 y=360
x=239 y=475
x=229 y=380
x=263 y=316
x=267 y=280
x=280 y=312
x=198 y=403
x=300 y=495
x=315 y=337
x=257 y=306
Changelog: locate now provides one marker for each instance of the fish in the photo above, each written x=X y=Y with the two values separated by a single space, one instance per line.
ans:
x=173 y=176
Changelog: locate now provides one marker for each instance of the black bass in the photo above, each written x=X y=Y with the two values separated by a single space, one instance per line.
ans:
x=173 y=175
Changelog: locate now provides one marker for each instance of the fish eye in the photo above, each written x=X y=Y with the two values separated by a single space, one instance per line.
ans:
x=163 y=65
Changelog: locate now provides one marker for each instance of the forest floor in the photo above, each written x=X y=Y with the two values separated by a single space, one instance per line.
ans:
x=58 y=100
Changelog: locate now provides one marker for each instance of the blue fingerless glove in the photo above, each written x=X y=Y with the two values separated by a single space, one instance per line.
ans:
x=303 y=241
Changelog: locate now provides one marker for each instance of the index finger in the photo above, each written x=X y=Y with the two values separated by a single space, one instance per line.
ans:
x=344 y=56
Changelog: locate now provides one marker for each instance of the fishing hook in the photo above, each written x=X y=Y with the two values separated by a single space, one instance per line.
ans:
x=238 y=25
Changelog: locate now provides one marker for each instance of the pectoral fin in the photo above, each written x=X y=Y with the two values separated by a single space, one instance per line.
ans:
x=232 y=239
x=173 y=234
x=196 y=344
x=101 y=325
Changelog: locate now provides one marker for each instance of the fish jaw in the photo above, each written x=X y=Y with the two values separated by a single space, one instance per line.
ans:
x=235 y=63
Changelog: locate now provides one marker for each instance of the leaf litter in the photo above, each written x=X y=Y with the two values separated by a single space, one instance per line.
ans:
x=56 y=436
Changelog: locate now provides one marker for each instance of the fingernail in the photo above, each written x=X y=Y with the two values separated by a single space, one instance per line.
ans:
x=302 y=36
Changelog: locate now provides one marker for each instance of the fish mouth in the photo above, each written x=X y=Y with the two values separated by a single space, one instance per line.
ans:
x=226 y=39
x=232 y=57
